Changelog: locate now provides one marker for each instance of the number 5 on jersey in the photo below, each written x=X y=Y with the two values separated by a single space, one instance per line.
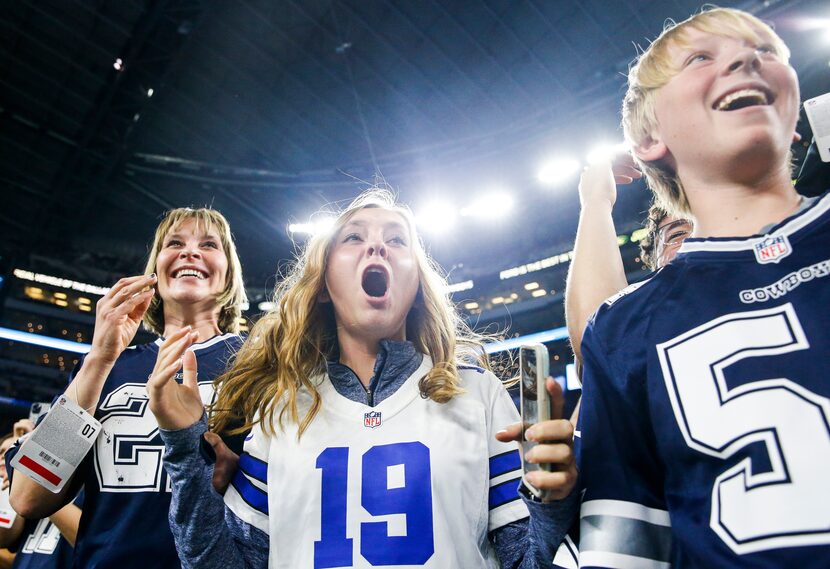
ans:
x=394 y=479
x=788 y=505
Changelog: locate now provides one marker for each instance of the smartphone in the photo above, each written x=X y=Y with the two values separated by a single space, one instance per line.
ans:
x=818 y=113
x=534 y=398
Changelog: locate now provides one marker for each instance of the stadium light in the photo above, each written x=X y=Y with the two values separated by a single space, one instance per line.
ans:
x=44 y=341
x=558 y=171
x=551 y=335
x=437 y=217
x=317 y=226
x=605 y=151
x=490 y=206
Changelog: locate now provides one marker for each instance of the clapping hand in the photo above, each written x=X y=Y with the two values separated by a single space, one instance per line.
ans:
x=176 y=406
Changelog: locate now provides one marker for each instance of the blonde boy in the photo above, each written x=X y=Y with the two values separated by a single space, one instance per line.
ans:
x=705 y=422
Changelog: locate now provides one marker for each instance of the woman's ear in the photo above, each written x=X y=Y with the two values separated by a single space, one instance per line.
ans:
x=323 y=296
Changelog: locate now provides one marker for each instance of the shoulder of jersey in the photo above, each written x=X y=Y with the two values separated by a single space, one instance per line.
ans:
x=639 y=296
x=474 y=377
x=141 y=348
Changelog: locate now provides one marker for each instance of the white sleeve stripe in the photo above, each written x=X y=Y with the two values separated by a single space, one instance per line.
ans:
x=243 y=511
x=621 y=509
x=618 y=561
x=507 y=513
x=618 y=535
x=566 y=556
x=497 y=480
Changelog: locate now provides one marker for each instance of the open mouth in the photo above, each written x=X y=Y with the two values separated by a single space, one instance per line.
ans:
x=743 y=98
x=189 y=273
x=375 y=282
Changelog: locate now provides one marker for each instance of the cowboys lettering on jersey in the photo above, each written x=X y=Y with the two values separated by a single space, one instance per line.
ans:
x=705 y=422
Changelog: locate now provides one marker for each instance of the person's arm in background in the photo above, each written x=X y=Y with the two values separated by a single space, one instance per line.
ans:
x=66 y=520
x=9 y=536
x=596 y=270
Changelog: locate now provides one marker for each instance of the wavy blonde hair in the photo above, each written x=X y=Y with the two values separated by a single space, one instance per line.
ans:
x=233 y=296
x=654 y=68
x=288 y=347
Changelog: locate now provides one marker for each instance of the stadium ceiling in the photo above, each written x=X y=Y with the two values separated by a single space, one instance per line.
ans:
x=113 y=111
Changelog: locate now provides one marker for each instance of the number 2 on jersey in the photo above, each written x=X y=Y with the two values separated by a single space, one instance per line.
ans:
x=788 y=505
x=380 y=495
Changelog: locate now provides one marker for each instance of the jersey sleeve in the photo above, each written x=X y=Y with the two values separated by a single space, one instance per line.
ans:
x=623 y=518
x=247 y=496
x=505 y=462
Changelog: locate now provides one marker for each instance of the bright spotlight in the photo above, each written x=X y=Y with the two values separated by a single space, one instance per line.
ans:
x=489 y=206
x=437 y=217
x=605 y=151
x=315 y=227
x=558 y=170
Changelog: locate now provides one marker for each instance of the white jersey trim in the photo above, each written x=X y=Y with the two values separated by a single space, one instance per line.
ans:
x=240 y=508
x=206 y=344
x=799 y=221
x=618 y=561
x=621 y=509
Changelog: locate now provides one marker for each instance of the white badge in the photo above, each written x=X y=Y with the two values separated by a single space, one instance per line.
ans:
x=818 y=113
x=7 y=515
x=52 y=453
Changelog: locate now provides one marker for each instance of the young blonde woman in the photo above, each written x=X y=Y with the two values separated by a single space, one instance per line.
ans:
x=372 y=444
x=192 y=288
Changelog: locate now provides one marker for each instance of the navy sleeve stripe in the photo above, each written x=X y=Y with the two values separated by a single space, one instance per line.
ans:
x=505 y=462
x=253 y=496
x=254 y=467
x=504 y=493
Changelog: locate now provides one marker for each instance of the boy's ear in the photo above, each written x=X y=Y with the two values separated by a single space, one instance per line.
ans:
x=650 y=149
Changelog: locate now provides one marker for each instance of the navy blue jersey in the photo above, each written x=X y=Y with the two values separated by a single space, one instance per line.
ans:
x=124 y=521
x=705 y=421
x=41 y=545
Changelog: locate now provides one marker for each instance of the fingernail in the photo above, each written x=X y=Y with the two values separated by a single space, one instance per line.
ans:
x=530 y=435
x=153 y=276
x=501 y=431
x=529 y=457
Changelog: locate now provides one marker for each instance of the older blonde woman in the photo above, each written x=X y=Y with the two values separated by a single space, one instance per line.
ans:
x=192 y=286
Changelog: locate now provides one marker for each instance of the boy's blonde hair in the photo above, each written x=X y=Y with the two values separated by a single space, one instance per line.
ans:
x=289 y=346
x=232 y=298
x=654 y=68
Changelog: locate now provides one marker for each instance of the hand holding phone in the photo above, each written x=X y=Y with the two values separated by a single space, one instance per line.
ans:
x=546 y=439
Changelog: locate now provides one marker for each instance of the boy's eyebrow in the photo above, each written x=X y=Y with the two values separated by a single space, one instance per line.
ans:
x=202 y=236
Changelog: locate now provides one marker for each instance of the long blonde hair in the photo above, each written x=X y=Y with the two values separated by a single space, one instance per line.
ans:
x=654 y=68
x=233 y=296
x=289 y=346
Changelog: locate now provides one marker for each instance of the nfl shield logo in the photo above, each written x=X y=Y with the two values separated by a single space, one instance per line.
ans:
x=772 y=249
x=371 y=419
